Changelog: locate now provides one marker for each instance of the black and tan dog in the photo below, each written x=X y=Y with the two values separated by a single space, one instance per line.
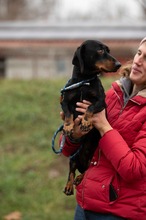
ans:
x=90 y=59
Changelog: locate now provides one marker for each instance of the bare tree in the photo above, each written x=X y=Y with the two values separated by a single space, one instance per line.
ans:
x=45 y=10
x=102 y=11
x=143 y=6
x=25 y=9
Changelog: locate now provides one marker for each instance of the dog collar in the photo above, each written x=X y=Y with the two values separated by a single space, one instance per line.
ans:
x=78 y=84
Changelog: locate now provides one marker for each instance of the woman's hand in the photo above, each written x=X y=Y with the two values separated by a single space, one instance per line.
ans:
x=99 y=120
x=101 y=123
x=81 y=107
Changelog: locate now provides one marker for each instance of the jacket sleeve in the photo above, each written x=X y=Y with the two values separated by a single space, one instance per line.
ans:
x=69 y=147
x=130 y=163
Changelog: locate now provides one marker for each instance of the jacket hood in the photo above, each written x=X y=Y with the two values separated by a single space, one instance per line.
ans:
x=126 y=86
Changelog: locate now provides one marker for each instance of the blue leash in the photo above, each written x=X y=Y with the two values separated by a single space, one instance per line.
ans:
x=78 y=84
x=62 y=141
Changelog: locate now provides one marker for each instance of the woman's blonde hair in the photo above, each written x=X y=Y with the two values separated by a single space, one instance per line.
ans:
x=143 y=40
x=126 y=69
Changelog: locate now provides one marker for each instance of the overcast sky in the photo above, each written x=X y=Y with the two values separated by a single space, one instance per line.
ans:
x=130 y=9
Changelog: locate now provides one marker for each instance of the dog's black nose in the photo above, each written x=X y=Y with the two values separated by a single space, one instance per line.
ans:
x=118 y=64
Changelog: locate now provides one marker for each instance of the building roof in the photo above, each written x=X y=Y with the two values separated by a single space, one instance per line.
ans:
x=64 y=31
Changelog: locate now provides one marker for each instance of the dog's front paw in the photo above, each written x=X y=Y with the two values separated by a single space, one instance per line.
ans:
x=78 y=179
x=69 y=189
x=86 y=125
x=68 y=129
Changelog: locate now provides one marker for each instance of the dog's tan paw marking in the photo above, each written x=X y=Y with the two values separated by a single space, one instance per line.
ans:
x=69 y=189
x=86 y=125
x=78 y=179
x=68 y=129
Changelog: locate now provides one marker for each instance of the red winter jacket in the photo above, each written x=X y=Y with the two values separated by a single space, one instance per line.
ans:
x=120 y=159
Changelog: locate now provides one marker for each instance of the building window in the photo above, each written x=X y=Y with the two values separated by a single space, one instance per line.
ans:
x=2 y=67
x=60 y=66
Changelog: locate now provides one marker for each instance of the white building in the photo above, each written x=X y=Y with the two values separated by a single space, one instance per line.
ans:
x=29 y=50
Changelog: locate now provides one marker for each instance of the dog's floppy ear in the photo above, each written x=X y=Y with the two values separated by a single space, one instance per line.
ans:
x=78 y=58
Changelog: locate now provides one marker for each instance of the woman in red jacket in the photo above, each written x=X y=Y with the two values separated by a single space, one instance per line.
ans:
x=120 y=158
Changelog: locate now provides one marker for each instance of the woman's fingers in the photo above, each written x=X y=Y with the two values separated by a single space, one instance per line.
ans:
x=82 y=106
x=62 y=115
x=86 y=102
x=77 y=121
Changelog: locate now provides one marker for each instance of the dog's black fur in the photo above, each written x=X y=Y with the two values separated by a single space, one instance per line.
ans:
x=90 y=59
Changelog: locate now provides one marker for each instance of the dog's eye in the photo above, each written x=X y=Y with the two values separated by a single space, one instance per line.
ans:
x=100 y=52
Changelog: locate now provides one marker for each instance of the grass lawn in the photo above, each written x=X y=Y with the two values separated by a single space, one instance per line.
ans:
x=32 y=177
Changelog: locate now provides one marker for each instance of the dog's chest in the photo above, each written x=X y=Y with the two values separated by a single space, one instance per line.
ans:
x=85 y=92
x=90 y=91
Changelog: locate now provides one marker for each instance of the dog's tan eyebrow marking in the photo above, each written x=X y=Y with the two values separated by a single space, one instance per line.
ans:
x=100 y=52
